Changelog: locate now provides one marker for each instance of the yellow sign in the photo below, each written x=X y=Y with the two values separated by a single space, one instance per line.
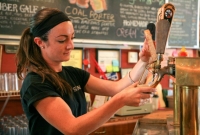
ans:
x=75 y=59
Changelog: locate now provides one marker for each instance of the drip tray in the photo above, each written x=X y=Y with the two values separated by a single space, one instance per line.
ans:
x=156 y=129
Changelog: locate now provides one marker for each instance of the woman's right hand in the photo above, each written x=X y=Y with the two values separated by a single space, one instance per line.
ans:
x=133 y=95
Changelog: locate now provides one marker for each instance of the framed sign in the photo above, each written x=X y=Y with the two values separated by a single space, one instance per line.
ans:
x=132 y=57
x=76 y=59
x=124 y=71
x=108 y=60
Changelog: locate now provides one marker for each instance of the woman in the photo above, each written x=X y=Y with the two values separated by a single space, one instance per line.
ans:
x=53 y=96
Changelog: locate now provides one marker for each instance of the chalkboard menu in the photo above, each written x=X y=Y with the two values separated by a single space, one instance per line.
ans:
x=15 y=16
x=105 y=21
x=185 y=26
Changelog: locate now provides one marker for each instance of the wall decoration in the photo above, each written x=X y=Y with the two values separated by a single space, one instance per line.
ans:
x=124 y=71
x=132 y=57
x=106 y=21
x=76 y=58
x=108 y=60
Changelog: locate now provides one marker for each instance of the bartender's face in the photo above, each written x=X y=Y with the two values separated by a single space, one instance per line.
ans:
x=60 y=43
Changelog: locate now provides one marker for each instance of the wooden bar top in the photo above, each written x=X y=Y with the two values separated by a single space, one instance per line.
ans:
x=158 y=116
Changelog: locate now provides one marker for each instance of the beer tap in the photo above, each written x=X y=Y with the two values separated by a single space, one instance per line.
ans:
x=164 y=20
x=163 y=25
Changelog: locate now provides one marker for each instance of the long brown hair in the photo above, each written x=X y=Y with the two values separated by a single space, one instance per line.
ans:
x=29 y=57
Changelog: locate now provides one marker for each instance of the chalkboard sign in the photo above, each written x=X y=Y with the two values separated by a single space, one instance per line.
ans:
x=96 y=21
x=15 y=16
x=185 y=26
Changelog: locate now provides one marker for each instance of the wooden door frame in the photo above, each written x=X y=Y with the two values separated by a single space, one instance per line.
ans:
x=1 y=53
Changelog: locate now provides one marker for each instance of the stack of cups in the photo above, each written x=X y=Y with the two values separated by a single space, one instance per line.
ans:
x=17 y=125
x=9 y=83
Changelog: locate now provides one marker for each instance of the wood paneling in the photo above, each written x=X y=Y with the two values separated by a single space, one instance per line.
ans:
x=119 y=125
x=13 y=107
x=1 y=49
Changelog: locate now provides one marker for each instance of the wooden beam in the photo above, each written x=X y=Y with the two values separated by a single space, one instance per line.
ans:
x=1 y=51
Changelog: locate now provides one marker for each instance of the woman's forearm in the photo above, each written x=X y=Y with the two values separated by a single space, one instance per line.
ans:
x=137 y=71
x=89 y=122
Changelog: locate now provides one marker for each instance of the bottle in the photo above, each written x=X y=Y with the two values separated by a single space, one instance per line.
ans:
x=155 y=102
x=183 y=52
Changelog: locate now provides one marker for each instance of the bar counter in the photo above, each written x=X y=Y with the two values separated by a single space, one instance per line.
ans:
x=159 y=122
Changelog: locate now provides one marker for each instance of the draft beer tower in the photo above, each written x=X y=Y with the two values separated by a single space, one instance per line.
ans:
x=185 y=70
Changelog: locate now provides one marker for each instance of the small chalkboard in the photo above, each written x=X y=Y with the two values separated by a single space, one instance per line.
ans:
x=185 y=25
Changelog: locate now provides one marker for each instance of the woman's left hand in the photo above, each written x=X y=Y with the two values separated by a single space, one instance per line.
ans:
x=144 y=53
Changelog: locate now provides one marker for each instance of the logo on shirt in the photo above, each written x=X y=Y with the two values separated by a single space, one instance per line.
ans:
x=76 y=88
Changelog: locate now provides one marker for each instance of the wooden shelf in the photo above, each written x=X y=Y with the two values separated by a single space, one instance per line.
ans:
x=17 y=97
x=5 y=94
x=12 y=106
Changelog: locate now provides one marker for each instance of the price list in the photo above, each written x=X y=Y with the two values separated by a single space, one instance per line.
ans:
x=184 y=30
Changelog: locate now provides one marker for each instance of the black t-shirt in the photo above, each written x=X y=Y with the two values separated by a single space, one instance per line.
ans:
x=33 y=89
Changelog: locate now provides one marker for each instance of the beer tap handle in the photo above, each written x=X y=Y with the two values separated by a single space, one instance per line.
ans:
x=162 y=30
x=150 y=42
x=164 y=20
x=149 y=39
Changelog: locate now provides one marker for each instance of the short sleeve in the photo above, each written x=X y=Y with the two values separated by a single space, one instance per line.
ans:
x=38 y=91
